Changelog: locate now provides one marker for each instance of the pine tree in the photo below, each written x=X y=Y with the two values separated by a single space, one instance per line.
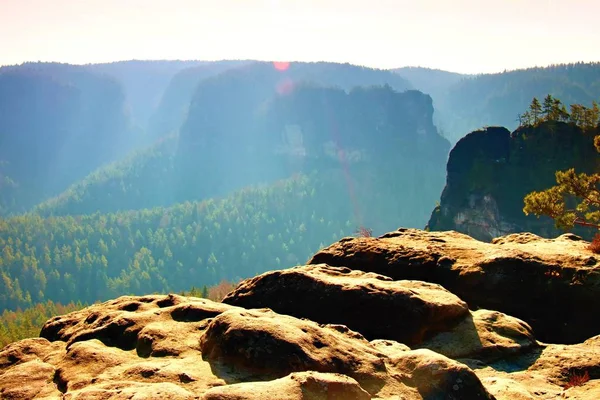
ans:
x=554 y=202
x=563 y=114
x=535 y=109
x=548 y=108
x=526 y=119
x=589 y=119
x=577 y=114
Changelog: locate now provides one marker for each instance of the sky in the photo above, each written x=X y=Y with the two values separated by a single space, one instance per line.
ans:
x=468 y=36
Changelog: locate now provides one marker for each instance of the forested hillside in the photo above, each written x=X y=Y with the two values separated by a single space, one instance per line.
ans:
x=496 y=99
x=238 y=139
x=99 y=256
x=430 y=81
x=58 y=123
x=144 y=179
x=27 y=323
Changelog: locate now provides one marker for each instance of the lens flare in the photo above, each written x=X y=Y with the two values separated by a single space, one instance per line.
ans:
x=285 y=86
x=281 y=65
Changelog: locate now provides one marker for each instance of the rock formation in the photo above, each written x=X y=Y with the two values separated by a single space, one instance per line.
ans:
x=371 y=304
x=396 y=317
x=490 y=171
x=553 y=284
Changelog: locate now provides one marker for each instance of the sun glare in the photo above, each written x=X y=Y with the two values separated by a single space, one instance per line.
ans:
x=281 y=65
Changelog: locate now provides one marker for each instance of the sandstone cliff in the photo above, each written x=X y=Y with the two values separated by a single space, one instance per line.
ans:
x=403 y=316
x=490 y=171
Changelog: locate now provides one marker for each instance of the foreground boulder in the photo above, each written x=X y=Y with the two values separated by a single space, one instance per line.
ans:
x=374 y=305
x=414 y=313
x=552 y=284
x=261 y=343
x=156 y=347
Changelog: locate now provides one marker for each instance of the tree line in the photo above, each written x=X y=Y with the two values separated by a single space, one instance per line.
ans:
x=552 y=109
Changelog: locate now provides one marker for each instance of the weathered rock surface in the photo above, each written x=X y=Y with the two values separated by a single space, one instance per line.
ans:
x=157 y=347
x=374 y=305
x=299 y=385
x=552 y=284
x=27 y=369
x=263 y=343
x=544 y=373
x=484 y=335
x=438 y=377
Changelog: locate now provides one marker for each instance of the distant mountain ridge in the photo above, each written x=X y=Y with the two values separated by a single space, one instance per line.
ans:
x=174 y=105
x=366 y=135
x=58 y=122
x=466 y=103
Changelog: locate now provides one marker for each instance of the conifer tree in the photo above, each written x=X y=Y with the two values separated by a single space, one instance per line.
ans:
x=574 y=200
x=577 y=114
x=535 y=109
x=526 y=119
x=548 y=108
x=560 y=112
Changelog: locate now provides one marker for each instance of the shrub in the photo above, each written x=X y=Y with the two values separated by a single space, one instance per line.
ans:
x=364 y=232
x=576 y=379
x=595 y=244
x=218 y=292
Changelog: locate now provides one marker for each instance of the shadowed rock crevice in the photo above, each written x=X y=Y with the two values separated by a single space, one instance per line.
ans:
x=193 y=313
x=60 y=382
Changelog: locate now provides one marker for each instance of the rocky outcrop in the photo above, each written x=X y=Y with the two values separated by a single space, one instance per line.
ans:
x=186 y=348
x=545 y=373
x=552 y=284
x=373 y=139
x=372 y=304
x=325 y=332
x=491 y=170
x=410 y=312
x=261 y=343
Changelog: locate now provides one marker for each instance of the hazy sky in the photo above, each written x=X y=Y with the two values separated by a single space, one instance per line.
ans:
x=458 y=35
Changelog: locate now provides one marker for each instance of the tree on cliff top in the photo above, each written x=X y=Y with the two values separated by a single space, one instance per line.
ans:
x=575 y=200
x=552 y=109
